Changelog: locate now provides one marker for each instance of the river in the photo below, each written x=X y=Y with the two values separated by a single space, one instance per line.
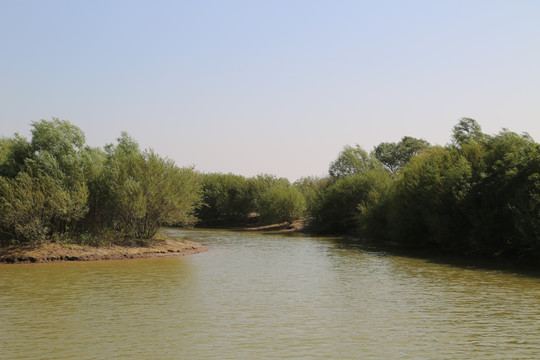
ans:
x=267 y=296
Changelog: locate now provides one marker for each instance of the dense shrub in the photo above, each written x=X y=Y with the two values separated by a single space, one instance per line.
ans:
x=338 y=207
x=504 y=203
x=226 y=199
x=311 y=188
x=54 y=186
x=353 y=161
x=230 y=199
x=426 y=205
x=479 y=194
x=144 y=191
x=281 y=202
x=394 y=156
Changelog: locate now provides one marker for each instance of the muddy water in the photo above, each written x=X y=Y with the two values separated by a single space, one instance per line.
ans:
x=255 y=296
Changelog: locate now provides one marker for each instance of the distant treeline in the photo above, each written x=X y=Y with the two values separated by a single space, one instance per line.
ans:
x=230 y=199
x=479 y=194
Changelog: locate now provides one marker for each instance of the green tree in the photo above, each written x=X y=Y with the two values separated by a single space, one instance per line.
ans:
x=282 y=202
x=145 y=191
x=32 y=205
x=504 y=206
x=257 y=186
x=427 y=202
x=57 y=152
x=13 y=154
x=339 y=206
x=467 y=130
x=93 y=164
x=311 y=187
x=43 y=190
x=225 y=199
x=352 y=161
x=394 y=156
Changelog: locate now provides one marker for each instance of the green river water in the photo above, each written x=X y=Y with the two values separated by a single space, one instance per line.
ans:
x=260 y=296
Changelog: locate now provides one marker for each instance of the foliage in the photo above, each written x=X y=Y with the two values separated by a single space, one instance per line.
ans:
x=31 y=207
x=145 y=191
x=54 y=187
x=229 y=199
x=394 y=156
x=425 y=206
x=311 y=187
x=13 y=153
x=225 y=198
x=351 y=161
x=281 y=202
x=505 y=203
x=257 y=186
x=479 y=194
x=338 y=207
x=467 y=130
x=43 y=186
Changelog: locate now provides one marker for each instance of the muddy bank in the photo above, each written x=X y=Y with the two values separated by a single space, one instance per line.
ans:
x=49 y=252
x=284 y=227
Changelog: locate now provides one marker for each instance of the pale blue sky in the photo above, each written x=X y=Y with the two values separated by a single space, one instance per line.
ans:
x=274 y=87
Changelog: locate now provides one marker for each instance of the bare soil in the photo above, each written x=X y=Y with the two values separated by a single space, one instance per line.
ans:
x=49 y=251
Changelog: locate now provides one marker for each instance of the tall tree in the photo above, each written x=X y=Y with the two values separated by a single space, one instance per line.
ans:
x=145 y=191
x=352 y=161
x=281 y=202
x=394 y=156
x=467 y=130
x=44 y=191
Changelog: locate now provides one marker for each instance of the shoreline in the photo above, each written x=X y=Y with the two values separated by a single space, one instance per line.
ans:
x=297 y=226
x=54 y=252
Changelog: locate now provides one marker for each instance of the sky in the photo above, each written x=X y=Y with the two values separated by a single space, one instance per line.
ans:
x=276 y=87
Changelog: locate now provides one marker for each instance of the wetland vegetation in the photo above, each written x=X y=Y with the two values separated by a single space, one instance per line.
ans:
x=479 y=194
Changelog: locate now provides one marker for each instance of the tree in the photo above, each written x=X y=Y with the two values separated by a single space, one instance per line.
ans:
x=31 y=207
x=394 y=156
x=504 y=206
x=226 y=199
x=351 y=161
x=311 y=187
x=467 y=130
x=145 y=191
x=281 y=202
x=339 y=206
x=426 y=207
x=14 y=152
x=43 y=190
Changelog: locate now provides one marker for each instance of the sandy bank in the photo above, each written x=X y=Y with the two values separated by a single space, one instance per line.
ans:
x=48 y=252
x=295 y=226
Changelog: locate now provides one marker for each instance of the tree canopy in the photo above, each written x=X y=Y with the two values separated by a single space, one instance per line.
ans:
x=479 y=194
x=394 y=156
x=56 y=186
x=352 y=160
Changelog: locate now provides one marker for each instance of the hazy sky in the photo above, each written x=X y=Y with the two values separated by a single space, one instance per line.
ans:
x=270 y=86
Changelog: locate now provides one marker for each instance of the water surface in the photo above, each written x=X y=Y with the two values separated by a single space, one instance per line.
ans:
x=255 y=296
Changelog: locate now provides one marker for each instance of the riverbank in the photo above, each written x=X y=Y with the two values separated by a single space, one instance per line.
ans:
x=51 y=252
x=295 y=226
x=498 y=260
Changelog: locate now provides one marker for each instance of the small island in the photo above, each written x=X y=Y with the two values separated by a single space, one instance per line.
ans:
x=63 y=200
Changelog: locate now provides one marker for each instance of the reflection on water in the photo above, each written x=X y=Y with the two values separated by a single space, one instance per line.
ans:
x=267 y=296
